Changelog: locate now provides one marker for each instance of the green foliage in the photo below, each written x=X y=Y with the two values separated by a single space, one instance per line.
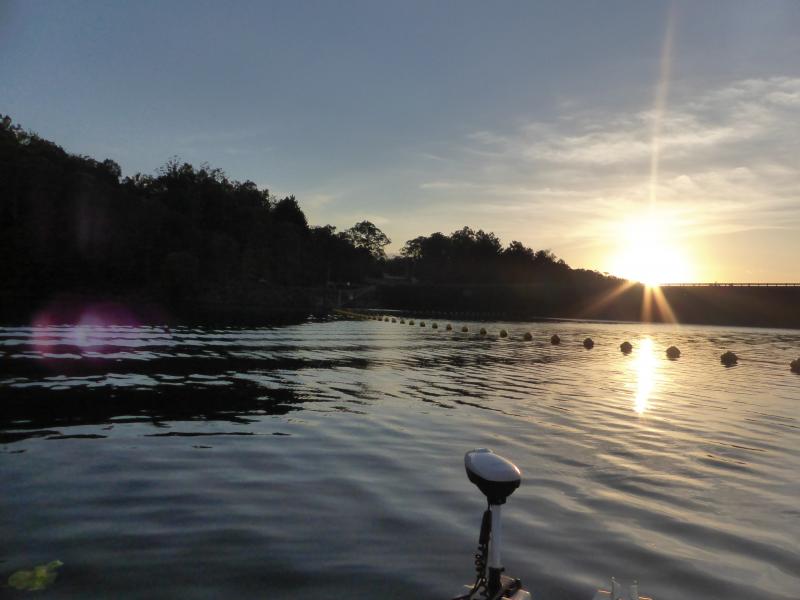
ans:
x=39 y=578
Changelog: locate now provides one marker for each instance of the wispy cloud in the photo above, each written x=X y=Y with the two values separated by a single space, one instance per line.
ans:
x=728 y=162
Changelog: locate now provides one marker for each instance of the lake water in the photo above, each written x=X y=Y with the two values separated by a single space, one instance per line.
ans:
x=325 y=460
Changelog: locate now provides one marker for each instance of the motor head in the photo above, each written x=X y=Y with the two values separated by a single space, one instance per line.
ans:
x=495 y=476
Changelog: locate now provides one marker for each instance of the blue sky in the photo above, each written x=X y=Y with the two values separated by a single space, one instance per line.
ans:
x=537 y=120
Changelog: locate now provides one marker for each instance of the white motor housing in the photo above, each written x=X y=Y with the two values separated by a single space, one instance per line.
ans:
x=495 y=476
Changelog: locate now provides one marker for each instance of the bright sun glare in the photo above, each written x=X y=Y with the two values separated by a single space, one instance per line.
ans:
x=649 y=252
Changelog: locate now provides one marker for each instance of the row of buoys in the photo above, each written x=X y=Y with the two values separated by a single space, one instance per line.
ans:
x=729 y=359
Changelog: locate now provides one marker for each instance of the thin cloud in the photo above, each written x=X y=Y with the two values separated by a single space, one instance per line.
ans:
x=728 y=162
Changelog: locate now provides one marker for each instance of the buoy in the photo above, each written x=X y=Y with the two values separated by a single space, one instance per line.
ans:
x=435 y=326
x=449 y=327
x=794 y=366
x=673 y=353
x=729 y=359
x=422 y=323
x=465 y=329
x=483 y=331
x=626 y=347
x=403 y=321
x=588 y=343
x=527 y=337
x=555 y=340
x=411 y=321
x=503 y=333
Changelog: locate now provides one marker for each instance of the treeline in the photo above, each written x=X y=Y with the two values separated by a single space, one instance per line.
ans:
x=190 y=234
x=478 y=258
x=72 y=223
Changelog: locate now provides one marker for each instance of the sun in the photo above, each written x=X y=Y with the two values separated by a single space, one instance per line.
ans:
x=649 y=252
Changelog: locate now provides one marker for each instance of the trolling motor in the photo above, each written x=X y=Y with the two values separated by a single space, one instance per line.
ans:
x=497 y=478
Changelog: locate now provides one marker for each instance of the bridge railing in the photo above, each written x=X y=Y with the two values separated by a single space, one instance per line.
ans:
x=732 y=284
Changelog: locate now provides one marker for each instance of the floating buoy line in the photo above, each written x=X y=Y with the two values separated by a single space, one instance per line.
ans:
x=728 y=359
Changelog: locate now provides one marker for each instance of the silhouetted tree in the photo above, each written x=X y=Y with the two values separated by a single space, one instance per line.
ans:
x=71 y=223
x=367 y=236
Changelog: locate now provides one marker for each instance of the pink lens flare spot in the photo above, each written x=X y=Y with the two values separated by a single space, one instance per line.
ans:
x=82 y=326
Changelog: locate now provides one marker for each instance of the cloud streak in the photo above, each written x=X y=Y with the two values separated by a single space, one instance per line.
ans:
x=728 y=163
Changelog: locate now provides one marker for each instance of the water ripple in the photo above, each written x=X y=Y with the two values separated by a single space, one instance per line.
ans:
x=205 y=462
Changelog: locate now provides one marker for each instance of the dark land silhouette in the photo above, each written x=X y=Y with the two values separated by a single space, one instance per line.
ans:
x=188 y=244
x=185 y=243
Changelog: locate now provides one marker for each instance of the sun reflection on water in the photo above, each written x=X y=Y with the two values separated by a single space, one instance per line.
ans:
x=645 y=366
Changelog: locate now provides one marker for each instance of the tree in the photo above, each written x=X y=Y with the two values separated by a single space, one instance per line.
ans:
x=414 y=249
x=288 y=211
x=114 y=170
x=367 y=236
x=519 y=252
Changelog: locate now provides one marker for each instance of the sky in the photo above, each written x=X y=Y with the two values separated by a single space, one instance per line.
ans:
x=652 y=139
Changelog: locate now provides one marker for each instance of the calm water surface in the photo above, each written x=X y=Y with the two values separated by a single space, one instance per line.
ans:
x=324 y=460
